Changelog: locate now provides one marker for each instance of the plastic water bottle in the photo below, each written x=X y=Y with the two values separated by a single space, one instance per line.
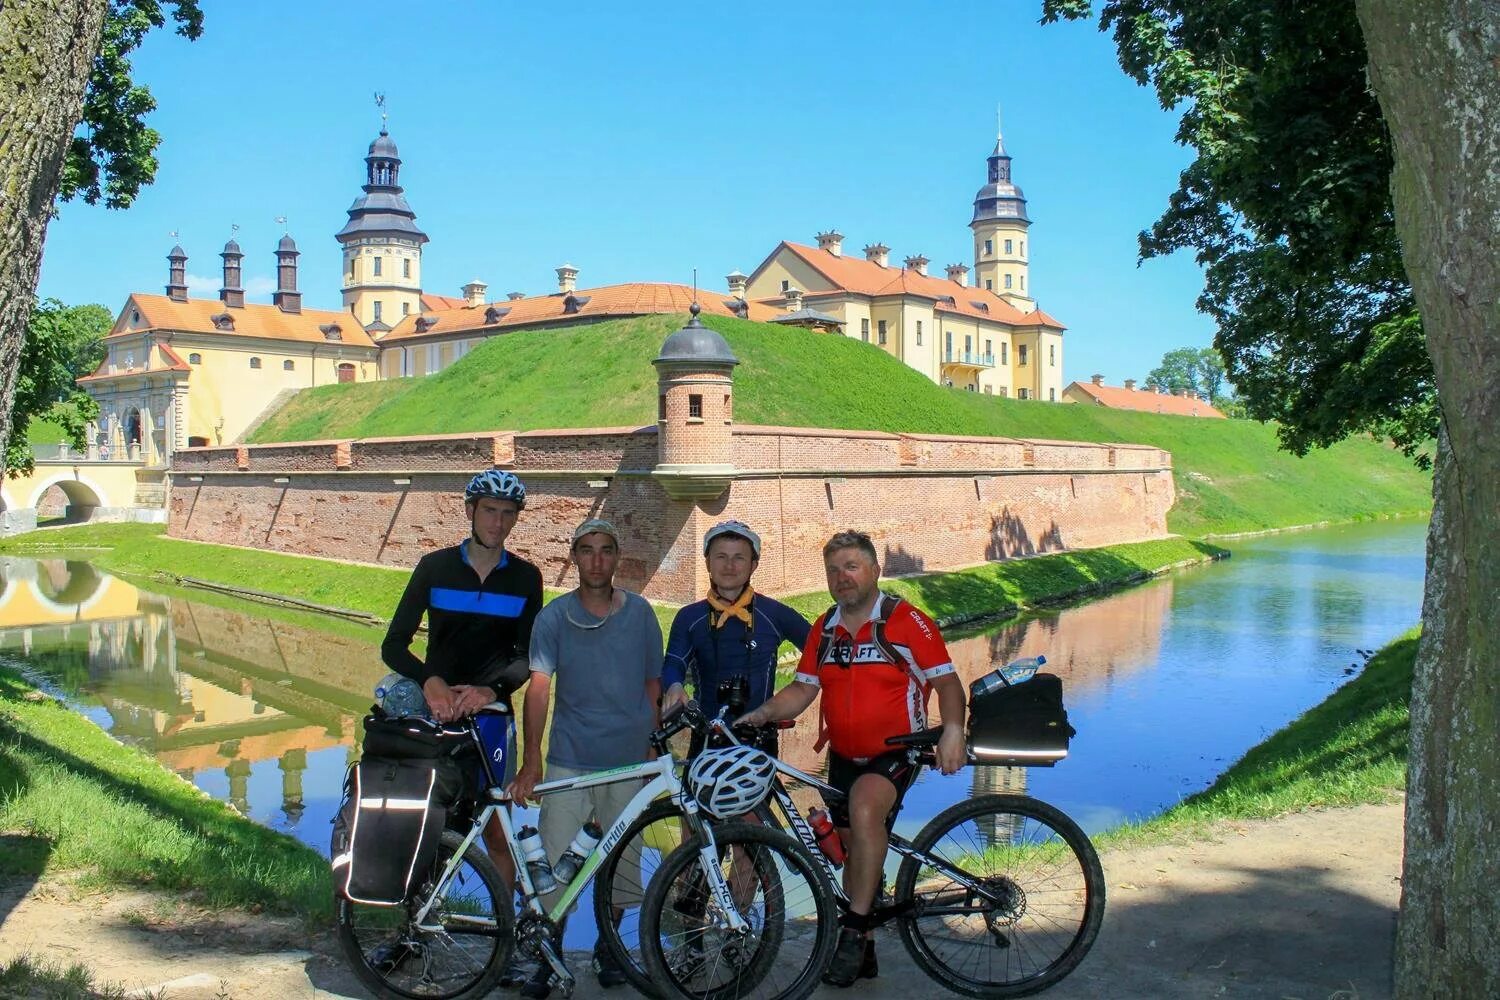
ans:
x=1012 y=673
x=578 y=851
x=542 y=879
x=829 y=841
x=400 y=696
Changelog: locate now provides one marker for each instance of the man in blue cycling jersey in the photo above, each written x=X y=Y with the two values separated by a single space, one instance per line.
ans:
x=733 y=633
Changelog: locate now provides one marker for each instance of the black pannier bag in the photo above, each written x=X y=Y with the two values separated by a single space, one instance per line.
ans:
x=1022 y=725
x=396 y=802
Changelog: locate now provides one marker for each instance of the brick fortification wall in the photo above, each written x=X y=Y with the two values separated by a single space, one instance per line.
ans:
x=931 y=502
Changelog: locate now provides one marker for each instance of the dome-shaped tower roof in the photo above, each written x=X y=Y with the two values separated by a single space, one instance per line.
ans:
x=287 y=244
x=695 y=343
x=383 y=145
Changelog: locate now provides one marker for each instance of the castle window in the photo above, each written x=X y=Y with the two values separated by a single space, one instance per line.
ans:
x=695 y=407
x=1052 y=355
x=405 y=308
x=1007 y=281
x=968 y=346
x=1004 y=392
x=989 y=285
x=195 y=359
x=378 y=262
x=255 y=363
x=1023 y=248
x=1023 y=393
x=785 y=285
x=989 y=247
x=1008 y=247
x=948 y=343
x=377 y=310
x=1004 y=353
x=1021 y=355
x=864 y=330
x=919 y=333
x=989 y=349
x=331 y=331
x=881 y=332
x=1052 y=395
x=406 y=267
x=288 y=365
x=661 y=407
x=726 y=407
x=1023 y=282
x=346 y=372
x=434 y=359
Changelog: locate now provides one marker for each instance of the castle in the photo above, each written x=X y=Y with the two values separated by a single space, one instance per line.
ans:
x=181 y=372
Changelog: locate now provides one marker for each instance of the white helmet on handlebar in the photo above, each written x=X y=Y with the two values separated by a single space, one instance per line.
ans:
x=732 y=781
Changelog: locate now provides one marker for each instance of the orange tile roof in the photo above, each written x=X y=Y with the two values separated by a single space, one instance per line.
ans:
x=631 y=299
x=1120 y=398
x=158 y=312
x=431 y=301
x=865 y=277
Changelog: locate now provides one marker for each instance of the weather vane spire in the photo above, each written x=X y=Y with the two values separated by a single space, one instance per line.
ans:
x=380 y=103
x=999 y=124
x=281 y=221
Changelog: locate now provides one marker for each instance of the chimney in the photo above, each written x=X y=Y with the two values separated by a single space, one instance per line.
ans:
x=286 y=296
x=567 y=278
x=793 y=298
x=177 y=274
x=1099 y=380
x=474 y=292
x=832 y=241
x=918 y=263
x=512 y=296
x=1130 y=385
x=232 y=294
x=877 y=253
x=739 y=285
x=958 y=273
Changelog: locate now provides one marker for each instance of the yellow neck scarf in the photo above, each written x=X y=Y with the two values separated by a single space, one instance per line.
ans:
x=739 y=609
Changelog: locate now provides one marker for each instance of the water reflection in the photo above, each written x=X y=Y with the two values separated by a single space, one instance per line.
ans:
x=1167 y=683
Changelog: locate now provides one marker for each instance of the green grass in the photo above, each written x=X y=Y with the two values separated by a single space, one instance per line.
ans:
x=1005 y=587
x=72 y=799
x=1230 y=475
x=39 y=979
x=40 y=431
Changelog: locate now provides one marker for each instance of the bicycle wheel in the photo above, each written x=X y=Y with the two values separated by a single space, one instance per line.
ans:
x=464 y=944
x=780 y=890
x=1049 y=891
x=621 y=882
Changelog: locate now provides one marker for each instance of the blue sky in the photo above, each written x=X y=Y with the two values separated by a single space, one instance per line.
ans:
x=639 y=141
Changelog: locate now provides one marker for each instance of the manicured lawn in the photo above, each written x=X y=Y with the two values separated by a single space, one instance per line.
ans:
x=74 y=800
x=1230 y=475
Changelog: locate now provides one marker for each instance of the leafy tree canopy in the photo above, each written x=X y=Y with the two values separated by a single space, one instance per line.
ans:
x=113 y=153
x=1196 y=369
x=61 y=343
x=1287 y=206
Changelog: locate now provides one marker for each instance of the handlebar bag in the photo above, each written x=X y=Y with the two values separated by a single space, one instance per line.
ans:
x=395 y=818
x=1021 y=724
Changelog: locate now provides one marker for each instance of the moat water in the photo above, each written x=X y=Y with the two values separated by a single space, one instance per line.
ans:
x=1167 y=683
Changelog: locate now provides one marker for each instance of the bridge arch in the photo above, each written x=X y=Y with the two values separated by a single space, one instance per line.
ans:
x=84 y=495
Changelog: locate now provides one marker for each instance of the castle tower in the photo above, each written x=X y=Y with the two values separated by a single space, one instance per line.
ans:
x=382 y=245
x=695 y=386
x=999 y=225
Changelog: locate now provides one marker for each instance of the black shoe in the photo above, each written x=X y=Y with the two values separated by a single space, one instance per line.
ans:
x=870 y=968
x=606 y=968
x=539 y=986
x=516 y=973
x=389 y=957
x=848 y=958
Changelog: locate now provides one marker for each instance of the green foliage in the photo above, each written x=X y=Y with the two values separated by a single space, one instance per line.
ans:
x=1287 y=205
x=1194 y=369
x=1230 y=475
x=26 y=976
x=61 y=343
x=113 y=154
x=86 y=804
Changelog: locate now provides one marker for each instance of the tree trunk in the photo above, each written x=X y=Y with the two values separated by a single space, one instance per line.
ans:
x=1435 y=65
x=47 y=50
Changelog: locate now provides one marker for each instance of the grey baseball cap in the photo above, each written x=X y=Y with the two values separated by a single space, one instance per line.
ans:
x=596 y=524
x=739 y=528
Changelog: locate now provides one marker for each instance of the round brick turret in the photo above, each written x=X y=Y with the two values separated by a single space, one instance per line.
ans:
x=695 y=405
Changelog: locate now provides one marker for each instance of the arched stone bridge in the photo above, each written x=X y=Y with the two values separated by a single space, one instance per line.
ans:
x=96 y=491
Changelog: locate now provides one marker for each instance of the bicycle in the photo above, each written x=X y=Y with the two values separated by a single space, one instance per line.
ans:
x=454 y=934
x=996 y=896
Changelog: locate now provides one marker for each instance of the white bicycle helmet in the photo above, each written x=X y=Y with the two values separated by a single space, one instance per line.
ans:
x=497 y=484
x=730 y=782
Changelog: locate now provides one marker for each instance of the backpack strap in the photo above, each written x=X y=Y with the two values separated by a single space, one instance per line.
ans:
x=825 y=640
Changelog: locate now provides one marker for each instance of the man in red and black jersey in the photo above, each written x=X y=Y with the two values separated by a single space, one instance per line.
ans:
x=876 y=659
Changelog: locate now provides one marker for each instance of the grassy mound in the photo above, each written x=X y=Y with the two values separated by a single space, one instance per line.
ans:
x=1230 y=474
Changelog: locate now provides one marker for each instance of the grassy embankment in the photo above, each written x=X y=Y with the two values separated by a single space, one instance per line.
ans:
x=74 y=800
x=1230 y=475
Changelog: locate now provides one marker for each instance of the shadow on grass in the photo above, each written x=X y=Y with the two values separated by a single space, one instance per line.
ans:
x=23 y=857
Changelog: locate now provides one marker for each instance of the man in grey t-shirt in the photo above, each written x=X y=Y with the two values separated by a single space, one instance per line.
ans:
x=602 y=646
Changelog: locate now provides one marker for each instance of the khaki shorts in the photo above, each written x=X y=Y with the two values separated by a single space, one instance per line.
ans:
x=563 y=815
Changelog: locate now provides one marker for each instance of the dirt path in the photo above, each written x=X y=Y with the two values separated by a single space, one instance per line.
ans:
x=1300 y=907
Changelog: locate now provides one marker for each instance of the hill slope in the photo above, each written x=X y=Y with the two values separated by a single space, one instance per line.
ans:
x=1230 y=474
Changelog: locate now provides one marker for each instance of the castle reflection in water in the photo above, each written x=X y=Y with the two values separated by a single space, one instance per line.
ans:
x=264 y=711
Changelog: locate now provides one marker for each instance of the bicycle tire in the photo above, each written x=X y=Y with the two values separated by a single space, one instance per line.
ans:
x=1029 y=852
x=624 y=875
x=787 y=898
x=364 y=930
